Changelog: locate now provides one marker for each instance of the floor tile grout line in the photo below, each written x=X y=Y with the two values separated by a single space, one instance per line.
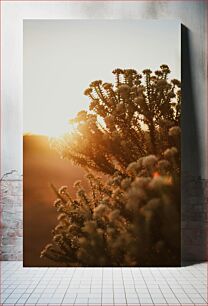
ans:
x=147 y=287
x=171 y=289
x=69 y=285
x=123 y=284
x=82 y=270
x=135 y=287
x=159 y=287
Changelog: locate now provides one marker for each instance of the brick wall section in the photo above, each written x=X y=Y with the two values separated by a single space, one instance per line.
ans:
x=11 y=217
x=194 y=219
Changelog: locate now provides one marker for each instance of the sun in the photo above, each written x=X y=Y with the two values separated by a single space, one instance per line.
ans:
x=51 y=120
x=56 y=131
x=51 y=129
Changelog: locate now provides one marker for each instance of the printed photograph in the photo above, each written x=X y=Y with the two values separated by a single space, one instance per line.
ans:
x=102 y=143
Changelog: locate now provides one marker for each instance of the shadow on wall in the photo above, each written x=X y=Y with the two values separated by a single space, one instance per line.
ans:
x=193 y=188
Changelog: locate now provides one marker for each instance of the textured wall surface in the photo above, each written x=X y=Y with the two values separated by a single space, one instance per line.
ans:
x=194 y=220
x=194 y=77
x=11 y=217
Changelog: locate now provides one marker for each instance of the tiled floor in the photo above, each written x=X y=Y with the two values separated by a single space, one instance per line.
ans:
x=103 y=286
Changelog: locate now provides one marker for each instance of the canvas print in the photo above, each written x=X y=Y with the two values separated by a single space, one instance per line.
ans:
x=102 y=148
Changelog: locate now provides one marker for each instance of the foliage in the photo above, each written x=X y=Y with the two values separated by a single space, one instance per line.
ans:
x=130 y=217
x=128 y=120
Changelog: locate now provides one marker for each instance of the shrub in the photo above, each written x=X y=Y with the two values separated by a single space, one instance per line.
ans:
x=131 y=136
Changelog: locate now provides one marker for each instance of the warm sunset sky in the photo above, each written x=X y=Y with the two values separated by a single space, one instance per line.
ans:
x=62 y=57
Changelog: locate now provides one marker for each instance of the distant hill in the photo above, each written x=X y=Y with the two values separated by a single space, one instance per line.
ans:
x=42 y=166
x=37 y=142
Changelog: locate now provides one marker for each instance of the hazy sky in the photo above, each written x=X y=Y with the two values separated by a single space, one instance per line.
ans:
x=61 y=58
